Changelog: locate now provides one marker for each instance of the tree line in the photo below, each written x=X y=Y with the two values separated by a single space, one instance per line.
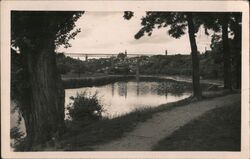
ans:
x=179 y=65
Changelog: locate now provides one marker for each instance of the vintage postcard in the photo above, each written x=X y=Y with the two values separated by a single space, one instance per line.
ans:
x=125 y=79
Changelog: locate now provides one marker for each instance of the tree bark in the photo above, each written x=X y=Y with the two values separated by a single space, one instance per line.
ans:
x=238 y=68
x=195 y=58
x=44 y=116
x=237 y=44
x=226 y=54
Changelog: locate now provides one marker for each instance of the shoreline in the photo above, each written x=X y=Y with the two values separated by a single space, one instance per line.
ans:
x=108 y=130
x=78 y=82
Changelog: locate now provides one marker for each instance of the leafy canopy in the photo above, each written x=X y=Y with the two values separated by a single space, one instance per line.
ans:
x=42 y=25
x=176 y=21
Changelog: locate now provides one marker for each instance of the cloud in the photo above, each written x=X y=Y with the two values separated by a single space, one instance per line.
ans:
x=109 y=32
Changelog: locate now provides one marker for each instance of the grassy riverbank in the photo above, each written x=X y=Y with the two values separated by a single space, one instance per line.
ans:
x=80 y=137
x=217 y=130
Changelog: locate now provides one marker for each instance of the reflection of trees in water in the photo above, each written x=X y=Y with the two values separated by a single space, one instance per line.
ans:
x=122 y=88
x=166 y=95
x=112 y=89
x=126 y=89
x=144 y=88
x=138 y=88
x=161 y=88
x=158 y=88
x=175 y=88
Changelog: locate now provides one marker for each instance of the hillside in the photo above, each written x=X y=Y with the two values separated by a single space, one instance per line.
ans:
x=158 y=64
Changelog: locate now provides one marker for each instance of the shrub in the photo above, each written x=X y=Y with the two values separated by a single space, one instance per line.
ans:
x=85 y=107
x=17 y=136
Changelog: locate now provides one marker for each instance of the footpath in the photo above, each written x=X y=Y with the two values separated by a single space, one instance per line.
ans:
x=162 y=124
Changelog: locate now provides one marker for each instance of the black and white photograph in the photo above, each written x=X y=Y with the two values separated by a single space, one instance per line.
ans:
x=132 y=79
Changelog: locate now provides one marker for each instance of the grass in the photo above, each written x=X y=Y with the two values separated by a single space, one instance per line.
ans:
x=80 y=137
x=216 y=130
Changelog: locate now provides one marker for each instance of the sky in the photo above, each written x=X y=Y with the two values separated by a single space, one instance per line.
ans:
x=109 y=32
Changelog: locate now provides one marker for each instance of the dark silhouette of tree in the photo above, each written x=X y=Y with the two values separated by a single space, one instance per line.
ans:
x=226 y=53
x=176 y=23
x=36 y=34
x=226 y=22
x=236 y=28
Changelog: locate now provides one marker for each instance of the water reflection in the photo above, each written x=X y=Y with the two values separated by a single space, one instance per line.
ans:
x=113 y=89
x=122 y=89
x=137 y=88
x=119 y=98
x=123 y=97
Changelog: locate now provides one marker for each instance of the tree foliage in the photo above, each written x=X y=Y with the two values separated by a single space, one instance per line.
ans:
x=176 y=21
x=227 y=23
x=128 y=15
x=37 y=25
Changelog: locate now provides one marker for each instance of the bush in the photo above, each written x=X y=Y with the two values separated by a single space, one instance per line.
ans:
x=17 y=136
x=85 y=107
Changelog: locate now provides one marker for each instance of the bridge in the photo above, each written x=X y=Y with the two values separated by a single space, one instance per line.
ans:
x=87 y=55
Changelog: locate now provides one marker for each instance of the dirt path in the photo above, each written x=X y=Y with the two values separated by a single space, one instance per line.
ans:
x=163 y=124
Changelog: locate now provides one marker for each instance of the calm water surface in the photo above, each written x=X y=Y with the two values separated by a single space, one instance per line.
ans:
x=118 y=98
x=123 y=97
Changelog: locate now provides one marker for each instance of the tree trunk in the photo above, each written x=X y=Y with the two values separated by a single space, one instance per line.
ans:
x=238 y=69
x=226 y=54
x=44 y=116
x=237 y=44
x=195 y=58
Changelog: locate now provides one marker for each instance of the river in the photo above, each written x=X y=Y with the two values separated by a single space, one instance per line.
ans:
x=120 y=98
